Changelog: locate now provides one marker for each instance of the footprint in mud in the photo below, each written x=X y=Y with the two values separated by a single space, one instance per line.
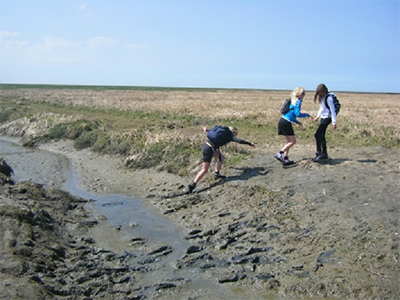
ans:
x=366 y=161
x=326 y=258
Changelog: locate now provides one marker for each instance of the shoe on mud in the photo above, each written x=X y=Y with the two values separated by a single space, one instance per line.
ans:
x=320 y=157
x=323 y=156
x=191 y=187
x=219 y=176
x=279 y=156
x=287 y=162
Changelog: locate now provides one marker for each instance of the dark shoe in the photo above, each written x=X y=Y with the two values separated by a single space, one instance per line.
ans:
x=323 y=156
x=191 y=187
x=320 y=157
x=219 y=176
x=287 y=162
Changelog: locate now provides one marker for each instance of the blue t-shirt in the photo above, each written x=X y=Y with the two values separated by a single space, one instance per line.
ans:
x=295 y=112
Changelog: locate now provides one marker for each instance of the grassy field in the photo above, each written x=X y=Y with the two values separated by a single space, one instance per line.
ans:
x=157 y=126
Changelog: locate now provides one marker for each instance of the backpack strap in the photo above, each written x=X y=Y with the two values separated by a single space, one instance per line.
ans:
x=326 y=102
x=215 y=149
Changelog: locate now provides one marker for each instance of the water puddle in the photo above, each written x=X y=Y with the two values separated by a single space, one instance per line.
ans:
x=125 y=214
x=124 y=223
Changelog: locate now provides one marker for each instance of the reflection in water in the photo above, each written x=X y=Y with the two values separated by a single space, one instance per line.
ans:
x=53 y=170
x=134 y=220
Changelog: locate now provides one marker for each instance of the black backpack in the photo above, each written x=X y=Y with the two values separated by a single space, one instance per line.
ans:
x=286 y=106
x=219 y=136
x=336 y=103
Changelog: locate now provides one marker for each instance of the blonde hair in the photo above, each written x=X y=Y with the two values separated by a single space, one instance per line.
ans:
x=233 y=129
x=297 y=92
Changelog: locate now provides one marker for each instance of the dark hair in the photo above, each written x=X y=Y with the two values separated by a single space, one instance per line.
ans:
x=320 y=92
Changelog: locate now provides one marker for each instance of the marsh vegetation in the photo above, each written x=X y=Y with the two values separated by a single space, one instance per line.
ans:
x=311 y=231
x=161 y=126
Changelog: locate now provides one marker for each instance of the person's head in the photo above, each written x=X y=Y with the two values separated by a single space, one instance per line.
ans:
x=298 y=93
x=320 y=92
x=234 y=130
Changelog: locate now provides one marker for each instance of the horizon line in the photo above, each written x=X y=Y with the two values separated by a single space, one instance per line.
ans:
x=113 y=86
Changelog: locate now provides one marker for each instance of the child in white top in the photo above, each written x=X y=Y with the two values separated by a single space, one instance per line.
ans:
x=326 y=115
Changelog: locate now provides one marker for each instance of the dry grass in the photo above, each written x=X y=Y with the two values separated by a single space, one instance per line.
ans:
x=362 y=108
x=163 y=126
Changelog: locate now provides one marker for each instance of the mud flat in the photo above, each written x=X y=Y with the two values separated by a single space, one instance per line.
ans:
x=312 y=230
x=97 y=242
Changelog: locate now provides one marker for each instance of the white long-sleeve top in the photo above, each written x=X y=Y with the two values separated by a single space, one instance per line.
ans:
x=325 y=112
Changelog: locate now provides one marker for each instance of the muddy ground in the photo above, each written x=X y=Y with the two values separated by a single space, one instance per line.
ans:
x=308 y=231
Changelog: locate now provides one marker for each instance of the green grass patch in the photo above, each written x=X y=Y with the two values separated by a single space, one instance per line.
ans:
x=171 y=141
x=5 y=115
x=71 y=130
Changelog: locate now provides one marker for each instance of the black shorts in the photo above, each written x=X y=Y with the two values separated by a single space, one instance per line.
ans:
x=208 y=153
x=285 y=127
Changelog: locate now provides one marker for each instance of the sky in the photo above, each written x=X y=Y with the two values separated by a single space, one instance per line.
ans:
x=350 y=45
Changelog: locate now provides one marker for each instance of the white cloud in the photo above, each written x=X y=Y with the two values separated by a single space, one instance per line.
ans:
x=14 y=44
x=49 y=50
x=101 y=41
x=138 y=46
x=55 y=42
x=83 y=9
x=8 y=34
x=7 y=40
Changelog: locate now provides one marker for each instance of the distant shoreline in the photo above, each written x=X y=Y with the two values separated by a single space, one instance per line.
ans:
x=151 y=88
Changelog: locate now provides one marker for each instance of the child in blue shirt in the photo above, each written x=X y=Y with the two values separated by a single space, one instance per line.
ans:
x=285 y=127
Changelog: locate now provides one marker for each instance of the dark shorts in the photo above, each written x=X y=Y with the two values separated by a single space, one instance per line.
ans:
x=208 y=153
x=285 y=127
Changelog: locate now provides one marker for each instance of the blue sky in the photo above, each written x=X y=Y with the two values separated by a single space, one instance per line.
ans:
x=350 y=45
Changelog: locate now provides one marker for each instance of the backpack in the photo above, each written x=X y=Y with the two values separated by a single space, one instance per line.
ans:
x=336 y=103
x=219 y=136
x=286 y=106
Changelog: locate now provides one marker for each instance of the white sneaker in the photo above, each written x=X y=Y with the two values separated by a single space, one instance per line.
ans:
x=279 y=157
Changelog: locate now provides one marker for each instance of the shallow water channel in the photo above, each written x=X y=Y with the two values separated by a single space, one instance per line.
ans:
x=137 y=220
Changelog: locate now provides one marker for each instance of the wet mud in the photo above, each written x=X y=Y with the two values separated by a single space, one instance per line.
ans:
x=265 y=232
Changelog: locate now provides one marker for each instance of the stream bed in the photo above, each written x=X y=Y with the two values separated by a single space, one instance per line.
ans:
x=124 y=221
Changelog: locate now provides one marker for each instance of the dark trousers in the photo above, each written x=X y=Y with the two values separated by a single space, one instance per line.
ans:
x=320 y=135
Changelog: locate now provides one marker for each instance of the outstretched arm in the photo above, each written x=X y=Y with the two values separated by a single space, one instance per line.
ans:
x=240 y=141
